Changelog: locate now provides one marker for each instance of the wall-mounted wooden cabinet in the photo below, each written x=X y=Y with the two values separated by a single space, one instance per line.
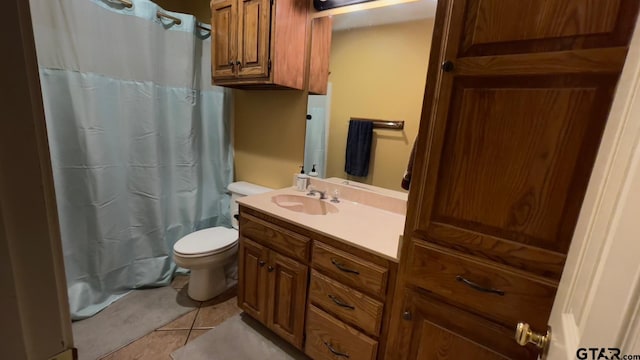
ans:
x=259 y=43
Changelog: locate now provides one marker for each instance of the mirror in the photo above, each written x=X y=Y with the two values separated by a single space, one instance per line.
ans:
x=378 y=68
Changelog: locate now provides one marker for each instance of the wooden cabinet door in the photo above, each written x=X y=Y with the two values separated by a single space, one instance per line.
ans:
x=319 y=54
x=288 y=291
x=434 y=330
x=224 y=38
x=253 y=279
x=254 y=25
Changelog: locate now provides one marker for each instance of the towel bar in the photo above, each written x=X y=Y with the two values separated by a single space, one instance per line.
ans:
x=383 y=124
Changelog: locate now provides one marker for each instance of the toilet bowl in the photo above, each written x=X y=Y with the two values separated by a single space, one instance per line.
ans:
x=208 y=252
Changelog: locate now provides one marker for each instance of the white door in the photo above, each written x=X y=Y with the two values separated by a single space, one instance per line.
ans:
x=597 y=305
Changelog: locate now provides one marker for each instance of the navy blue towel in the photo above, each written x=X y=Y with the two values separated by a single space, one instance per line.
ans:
x=358 y=148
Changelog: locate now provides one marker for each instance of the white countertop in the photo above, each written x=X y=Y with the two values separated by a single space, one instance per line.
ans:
x=366 y=227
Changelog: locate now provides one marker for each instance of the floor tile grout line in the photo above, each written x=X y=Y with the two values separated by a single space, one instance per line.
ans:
x=193 y=323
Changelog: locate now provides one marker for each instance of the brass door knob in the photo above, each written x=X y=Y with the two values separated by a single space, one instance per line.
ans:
x=524 y=336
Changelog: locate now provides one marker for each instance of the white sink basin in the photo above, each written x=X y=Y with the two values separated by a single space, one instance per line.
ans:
x=304 y=204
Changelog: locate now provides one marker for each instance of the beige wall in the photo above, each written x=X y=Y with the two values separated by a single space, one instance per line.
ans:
x=269 y=135
x=378 y=72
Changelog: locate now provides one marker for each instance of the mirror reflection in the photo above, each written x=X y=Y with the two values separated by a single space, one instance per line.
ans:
x=378 y=68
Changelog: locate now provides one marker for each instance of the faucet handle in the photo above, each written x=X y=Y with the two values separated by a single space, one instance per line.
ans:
x=310 y=190
x=334 y=196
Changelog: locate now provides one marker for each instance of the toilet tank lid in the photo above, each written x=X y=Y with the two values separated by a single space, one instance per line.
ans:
x=245 y=188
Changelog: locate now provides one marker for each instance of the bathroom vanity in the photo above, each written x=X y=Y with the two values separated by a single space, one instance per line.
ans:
x=319 y=274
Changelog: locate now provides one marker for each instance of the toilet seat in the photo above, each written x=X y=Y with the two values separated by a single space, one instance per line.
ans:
x=206 y=242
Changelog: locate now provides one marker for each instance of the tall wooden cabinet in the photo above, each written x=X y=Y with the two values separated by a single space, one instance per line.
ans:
x=259 y=43
x=517 y=97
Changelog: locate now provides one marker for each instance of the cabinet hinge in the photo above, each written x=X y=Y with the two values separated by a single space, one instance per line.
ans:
x=269 y=65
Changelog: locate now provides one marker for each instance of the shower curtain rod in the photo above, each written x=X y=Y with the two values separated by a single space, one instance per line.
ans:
x=129 y=4
x=203 y=27
x=126 y=3
x=167 y=16
x=178 y=21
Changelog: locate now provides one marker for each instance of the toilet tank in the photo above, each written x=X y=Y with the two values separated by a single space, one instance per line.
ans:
x=239 y=189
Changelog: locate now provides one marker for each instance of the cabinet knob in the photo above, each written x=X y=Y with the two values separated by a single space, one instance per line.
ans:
x=231 y=63
x=407 y=315
x=270 y=268
x=239 y=64
x=261 y=263
x=447 y=66
x=524 y=336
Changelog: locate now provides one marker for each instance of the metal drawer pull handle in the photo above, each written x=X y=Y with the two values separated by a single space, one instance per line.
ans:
x=340 y=302
x=341 y=267
x=478 y=287
x=334 y=351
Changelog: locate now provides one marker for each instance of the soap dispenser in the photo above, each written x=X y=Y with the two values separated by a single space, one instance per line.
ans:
x=302 y=180
x=313 y=172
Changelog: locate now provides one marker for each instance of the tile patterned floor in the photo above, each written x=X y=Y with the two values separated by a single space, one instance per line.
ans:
x=160 y=343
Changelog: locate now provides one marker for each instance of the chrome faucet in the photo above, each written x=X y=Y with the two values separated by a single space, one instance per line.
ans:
x=323 y=194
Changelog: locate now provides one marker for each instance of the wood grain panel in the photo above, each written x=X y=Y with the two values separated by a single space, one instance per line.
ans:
x=521 y=256
x=538 y=26
x=350 y=270
x=524 y=297
x=223 y=46
x=324 y=331
x=440 y=331
x=288 y=283
x=252 y=279
x=290 y=33
x=320 y=54
x=253 y=38
x=507 y=164
x=508 y=20
x=250 y=36
x=561 y=62
x=437 y=340
x=346 y=304
x=280 y=239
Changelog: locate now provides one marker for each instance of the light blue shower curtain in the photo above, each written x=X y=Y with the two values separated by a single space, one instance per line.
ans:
x=139 y=140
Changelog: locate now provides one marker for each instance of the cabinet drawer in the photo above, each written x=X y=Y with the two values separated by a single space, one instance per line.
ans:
x=345 y=303
x=350 y=270
x=499 y=294
x=331 y=339
x=275 y=237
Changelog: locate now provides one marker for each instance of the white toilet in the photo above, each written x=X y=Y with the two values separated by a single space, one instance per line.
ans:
x=208 y=251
